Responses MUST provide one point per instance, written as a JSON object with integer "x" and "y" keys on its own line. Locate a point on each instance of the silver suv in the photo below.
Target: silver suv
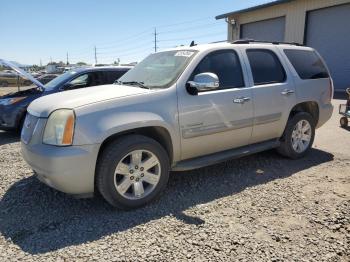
{"x": 179, "y": 109}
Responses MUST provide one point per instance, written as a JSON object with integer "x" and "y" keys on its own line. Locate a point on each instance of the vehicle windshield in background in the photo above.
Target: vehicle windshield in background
{"x": 159, "y": 70}
{"x": 58, "y": 80}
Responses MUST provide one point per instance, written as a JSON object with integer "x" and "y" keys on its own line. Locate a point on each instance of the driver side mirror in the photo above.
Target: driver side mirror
{"x": 203, "y": 82}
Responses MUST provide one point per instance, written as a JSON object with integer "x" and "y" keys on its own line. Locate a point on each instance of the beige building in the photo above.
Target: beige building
{"x": 322, "y": 24}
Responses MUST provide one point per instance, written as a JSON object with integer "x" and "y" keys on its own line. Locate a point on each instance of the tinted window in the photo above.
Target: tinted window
{"x": 226, "y": 65}
{"x": 307, "y": 64}
{"x": 86, "y": 80}
{"x": 266, "y": 67}
{"x": 112, "y": 76}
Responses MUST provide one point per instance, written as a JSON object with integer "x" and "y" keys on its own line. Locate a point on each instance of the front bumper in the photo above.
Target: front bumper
{"x": 67, "y": 169}
{"x": 10, "y": 117}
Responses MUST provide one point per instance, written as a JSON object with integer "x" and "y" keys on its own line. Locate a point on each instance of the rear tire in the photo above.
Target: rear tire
{"x": 132, "y": 171}
{"x": 298, "y": 136}
{"x": 344, "y": 122}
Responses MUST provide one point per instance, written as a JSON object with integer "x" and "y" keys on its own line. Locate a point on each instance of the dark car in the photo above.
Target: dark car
{"x": 44, "y": 79}
{"x": 13, "y": 106}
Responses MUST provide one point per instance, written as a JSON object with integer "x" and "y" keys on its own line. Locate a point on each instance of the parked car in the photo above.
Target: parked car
{"x": 44, "y": 79}
{"x": 10, "y": 79}
{"x": 179, "y": 109}
{"x": 13, "y": 106}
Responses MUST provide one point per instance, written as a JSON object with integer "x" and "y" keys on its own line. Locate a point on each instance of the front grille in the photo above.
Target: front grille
{"x": 28, "y": 128}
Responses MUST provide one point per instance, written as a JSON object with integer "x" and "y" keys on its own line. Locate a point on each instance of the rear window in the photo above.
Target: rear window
{"x": 307, "y": 64}
{"x": 266, "y": 67}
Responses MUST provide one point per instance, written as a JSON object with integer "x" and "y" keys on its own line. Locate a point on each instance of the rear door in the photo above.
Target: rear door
{"x": 273, "y": 91}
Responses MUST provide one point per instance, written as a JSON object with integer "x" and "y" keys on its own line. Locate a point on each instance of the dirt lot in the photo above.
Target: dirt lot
{"x": 11, "y": 89}
{"x": 259, "y": 208}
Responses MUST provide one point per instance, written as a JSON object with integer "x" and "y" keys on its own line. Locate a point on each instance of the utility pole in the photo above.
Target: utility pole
{"x": 50, "y": 59}
{"x": 67, "y": 59}
{"x": 41, "y": 63}
{"x": 95, "y": 55}
{"x": 155, "y": 40}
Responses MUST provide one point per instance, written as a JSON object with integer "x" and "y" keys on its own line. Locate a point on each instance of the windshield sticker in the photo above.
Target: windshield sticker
{"x": 184, "y": 53}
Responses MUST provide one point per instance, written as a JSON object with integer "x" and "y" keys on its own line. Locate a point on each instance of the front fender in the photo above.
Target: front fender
{"x": 95, "y": 130}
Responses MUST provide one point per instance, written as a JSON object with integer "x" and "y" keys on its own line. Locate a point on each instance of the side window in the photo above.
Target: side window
{"x": 226, "y": 65}
{"x": 266, "y": 67}
{"x": 112, "y": 76}
{"x": 307, "y": 64}
{"x": 79, "y": 82}
{"x": 96, "y": 79}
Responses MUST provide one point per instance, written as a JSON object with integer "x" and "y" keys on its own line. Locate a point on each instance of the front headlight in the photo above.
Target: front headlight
{"x": 59, "y": 128}
{"x": 10, "y": 101}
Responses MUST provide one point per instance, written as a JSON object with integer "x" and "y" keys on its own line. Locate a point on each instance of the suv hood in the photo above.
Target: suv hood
{"x": 44, "y": 106}
{"x": 23, "y": 73}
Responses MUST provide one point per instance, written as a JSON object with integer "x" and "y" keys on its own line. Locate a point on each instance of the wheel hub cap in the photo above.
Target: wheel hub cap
{"x": 137, "y": 174}
{"x": 301, "y": 136}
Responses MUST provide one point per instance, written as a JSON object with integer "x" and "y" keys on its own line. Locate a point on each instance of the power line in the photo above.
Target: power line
{"x": 128, "y": 53}
{"x": 191, "y": 37}
{"x": 130, "y": 47}
{"x": 123, "y": 40}
{"x": 191, "y": 28}
{"x": 136, "y": 42}
{"x": 185, "y": 22}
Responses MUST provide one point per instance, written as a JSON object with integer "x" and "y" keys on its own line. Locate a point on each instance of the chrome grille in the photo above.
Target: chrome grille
{"x": 28, "y": 128}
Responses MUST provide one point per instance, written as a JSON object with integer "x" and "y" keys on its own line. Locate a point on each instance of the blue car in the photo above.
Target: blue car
{"x": 13, "y": 106}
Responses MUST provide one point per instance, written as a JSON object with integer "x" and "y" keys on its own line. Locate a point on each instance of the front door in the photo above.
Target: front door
{"x": 217, "y": 120}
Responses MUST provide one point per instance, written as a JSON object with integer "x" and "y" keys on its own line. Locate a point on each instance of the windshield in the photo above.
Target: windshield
{"x": 59, "y": 80}
{"x": 159, "y": 70}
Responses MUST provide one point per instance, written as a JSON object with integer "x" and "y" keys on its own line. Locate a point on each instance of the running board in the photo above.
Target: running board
{"x": 219, "y": 157}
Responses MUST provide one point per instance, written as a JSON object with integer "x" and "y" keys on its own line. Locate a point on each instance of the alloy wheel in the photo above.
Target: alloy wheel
{"x": 137, "y": 174}
{"x": 301, "y": 136}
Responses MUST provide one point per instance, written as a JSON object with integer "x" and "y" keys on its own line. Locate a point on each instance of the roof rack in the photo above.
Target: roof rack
{"x": 249, "y": 41}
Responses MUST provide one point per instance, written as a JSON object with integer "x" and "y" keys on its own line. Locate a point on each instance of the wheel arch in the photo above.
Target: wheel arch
{"x": 310, "y": 107}
{"x": 158, "y": 133}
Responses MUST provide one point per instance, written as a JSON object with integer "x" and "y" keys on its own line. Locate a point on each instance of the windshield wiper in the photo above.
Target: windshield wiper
{"x": 133, "y": 83}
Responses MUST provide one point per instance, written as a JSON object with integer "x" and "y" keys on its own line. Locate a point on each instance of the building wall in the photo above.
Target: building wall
{"x": 294, "y": 11}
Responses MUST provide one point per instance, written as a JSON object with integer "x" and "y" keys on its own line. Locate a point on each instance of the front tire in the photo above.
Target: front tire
{"x": 132, "y": 171}
{"x": 298, "y": 136}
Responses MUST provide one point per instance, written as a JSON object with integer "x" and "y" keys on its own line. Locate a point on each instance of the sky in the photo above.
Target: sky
{"x": 39, "y": 30}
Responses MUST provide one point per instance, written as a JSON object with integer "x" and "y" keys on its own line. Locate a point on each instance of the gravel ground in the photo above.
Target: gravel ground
{"x": 259, "y": 208}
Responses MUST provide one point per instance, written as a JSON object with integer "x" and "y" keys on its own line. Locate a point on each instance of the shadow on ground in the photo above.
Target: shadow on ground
{"x": 39, "y": 219}
{"x": 8, "y": 137}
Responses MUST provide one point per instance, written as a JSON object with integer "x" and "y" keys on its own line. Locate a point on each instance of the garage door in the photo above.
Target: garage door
{"x": 328, "y": 31}
{"x": 267, "y": 30}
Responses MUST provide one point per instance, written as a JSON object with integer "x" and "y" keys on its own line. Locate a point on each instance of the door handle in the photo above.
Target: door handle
{"x": 287, "y": 92}
{"x": 241, "y": 100}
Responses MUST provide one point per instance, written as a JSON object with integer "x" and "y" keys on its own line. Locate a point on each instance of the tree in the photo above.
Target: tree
{"x": 81, "y": 63}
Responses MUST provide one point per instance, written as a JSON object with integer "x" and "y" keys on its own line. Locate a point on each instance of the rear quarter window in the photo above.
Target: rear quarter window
{"x": 307, "y": 64}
